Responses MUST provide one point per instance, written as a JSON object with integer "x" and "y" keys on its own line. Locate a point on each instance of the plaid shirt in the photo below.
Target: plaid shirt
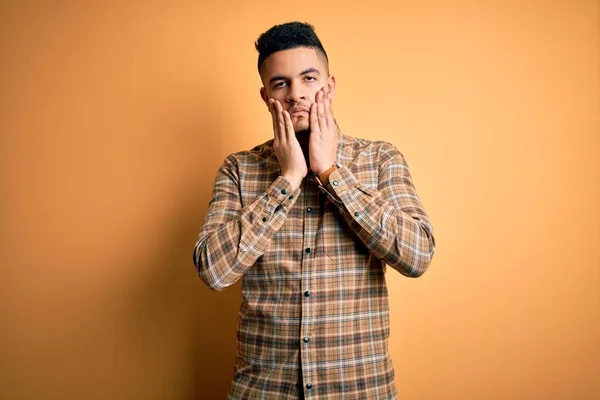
{"x": 314, "y": 318}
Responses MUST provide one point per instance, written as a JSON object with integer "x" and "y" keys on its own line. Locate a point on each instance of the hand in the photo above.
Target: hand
{"x": 323, "y": 133}
{"x": 286, "y": 146}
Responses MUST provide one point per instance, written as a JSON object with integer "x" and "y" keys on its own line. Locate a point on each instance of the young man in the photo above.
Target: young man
{"x": 309, "y": 220}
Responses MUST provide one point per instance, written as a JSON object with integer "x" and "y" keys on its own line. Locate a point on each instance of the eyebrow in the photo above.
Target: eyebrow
{"x": 310, "y": 70}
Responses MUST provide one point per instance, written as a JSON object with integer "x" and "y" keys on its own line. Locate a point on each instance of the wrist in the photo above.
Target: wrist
{"x": 322, "y": 168}
{"x": 294, "y": 180}
{"x": 323, "y": 177}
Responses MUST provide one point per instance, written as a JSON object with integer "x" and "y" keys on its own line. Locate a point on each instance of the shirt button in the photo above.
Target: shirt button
{"x": 307, "y": 250}
{"x": 278, "y": 208}
{"x": 264, "y": 219}
{"x": 283, "y": 191}
{"x": 307, "y": 293}
{"x": 335, "y": 183}
{"x": 291, "y": 196}
{"x": 308, "y": 209}
{"x": 309, "y": 386}
{"x": 356, "y": 213}
{"x": 306, "y": 339}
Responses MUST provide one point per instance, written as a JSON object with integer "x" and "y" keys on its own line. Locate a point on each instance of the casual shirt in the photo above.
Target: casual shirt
{"x": 314, "y": 317}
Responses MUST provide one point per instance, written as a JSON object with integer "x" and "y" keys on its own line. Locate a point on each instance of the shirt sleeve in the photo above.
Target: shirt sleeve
{"x": 233, "y": 237}
{"x": 391, "y": 220}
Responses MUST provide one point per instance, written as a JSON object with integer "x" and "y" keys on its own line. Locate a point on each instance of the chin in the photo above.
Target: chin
{"x": 301, "y": 127}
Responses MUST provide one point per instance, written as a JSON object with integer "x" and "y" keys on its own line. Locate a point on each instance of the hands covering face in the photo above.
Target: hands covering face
{"x": 322, "y": 143}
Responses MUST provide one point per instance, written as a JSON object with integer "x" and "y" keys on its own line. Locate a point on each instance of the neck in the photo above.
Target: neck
{"x": 304, "y": 140}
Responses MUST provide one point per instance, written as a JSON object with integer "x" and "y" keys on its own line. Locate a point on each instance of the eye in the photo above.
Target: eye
{"x": 311, "y": 78}
{"x": 279, "y": 85}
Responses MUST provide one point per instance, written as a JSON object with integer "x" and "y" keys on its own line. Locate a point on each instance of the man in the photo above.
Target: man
{"x": 309, "y": 220}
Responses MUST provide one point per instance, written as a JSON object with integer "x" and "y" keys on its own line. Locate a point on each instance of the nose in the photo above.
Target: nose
{"x": 295, "y": 93}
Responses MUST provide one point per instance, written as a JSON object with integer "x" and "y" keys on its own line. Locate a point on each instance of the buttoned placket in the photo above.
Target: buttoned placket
{"x": 311, "y": 204}
{"x": 311, "y": 213}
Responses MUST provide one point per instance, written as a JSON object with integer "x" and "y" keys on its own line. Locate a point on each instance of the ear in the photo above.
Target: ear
{"x": 331, "y": 85}
{"x": 263, "y": 96}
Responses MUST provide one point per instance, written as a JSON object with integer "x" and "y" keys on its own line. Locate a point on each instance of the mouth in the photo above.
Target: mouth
{"x": 297, "y": 111}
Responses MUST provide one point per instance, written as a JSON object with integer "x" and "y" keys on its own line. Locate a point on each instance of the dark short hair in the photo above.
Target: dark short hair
{"x": 287, "y": 36}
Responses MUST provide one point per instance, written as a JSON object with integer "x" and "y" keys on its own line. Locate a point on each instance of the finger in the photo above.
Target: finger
{"x": 321, "y": 111}
{"x": 273, "y": 111}
{"x": 314, "y": 121}
{"x": 273, "y": 115}
{"x": 289, "y": 126}
{"x": 280, "y": 121}
{"x": 328, "y": 113}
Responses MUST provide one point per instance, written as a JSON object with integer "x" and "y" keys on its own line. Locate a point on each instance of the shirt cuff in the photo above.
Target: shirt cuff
{"x": 345, "y": 190}
{"x": 341, "y": 185}
{"x": 280, "y": 196}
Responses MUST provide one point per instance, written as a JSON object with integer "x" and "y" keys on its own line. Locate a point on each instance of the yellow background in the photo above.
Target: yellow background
{"x": 115, "y": 117}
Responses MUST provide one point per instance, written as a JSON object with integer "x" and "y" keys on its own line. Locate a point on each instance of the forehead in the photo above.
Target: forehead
{"x": 292, "y": 62}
